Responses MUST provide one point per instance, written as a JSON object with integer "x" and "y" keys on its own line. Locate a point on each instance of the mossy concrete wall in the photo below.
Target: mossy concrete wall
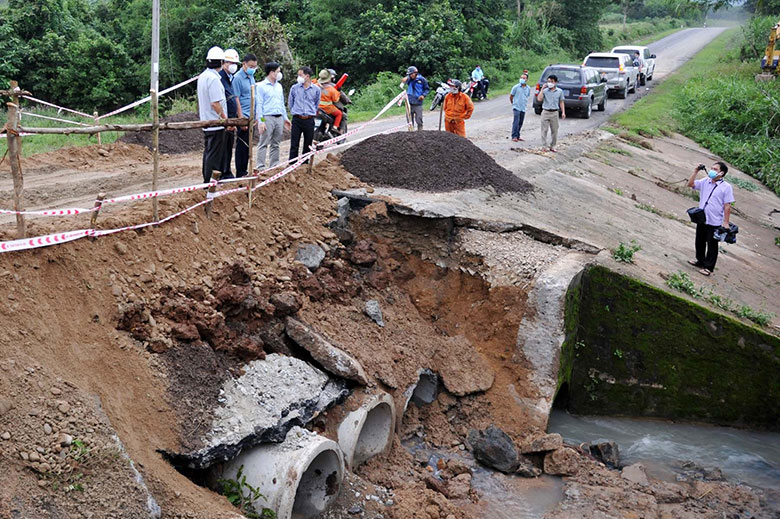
{"x": 634, "y": 350}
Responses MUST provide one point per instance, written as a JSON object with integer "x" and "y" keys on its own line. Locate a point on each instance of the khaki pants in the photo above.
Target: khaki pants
{"x": 550, "y": 121}
{"x": 270, "y": 139}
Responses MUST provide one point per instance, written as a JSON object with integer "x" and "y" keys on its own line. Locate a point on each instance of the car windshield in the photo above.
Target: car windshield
{"x": 598, "y": 62}
{"x": 564, "y": 75}
{"x": 630, "y": 52}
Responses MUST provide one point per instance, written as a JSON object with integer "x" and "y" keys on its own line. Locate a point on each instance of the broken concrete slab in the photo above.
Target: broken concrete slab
{"x": 262, "y": 405}
{"x": 331, "y": 358}
{"x": 544, "y": 443}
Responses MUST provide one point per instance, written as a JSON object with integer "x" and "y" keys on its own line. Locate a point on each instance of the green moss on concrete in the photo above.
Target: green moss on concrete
{"x": 641, "y": 351}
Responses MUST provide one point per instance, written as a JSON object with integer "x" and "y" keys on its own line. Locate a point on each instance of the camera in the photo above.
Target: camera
{"x": 701, "y": 167}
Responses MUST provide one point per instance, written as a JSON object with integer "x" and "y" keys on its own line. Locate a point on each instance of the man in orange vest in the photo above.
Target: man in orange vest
{"x": 329, "y": 97}
{"x": 457, "y": 108}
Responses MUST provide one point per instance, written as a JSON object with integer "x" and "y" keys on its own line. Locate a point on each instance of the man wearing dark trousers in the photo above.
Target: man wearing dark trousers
{"x": 243, "y": 83}
{"x": 715, "y": 198}
{"x": 229, "y": 68}
{"x": 303, "y": 101}
{"x": 212, "y": 106}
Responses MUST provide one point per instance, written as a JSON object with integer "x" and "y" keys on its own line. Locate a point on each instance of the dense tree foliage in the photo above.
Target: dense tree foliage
{"x": 94, "y": 54}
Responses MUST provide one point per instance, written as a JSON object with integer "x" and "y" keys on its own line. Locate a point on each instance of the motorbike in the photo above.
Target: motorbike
{"x": 438, "y": 99}
{"x": 323, "y": 122}
{"x": 473, "y": 90}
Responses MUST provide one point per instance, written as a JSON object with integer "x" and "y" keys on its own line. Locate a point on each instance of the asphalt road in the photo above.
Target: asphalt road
{"x": 491, "y": 123}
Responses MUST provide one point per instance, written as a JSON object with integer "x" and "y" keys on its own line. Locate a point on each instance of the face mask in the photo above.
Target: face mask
{"x": 279, "y": 76}
{"x": 232, "y": 68}
{"x": 522, "y": 81}
{"x": 301, "y": 80}
{"x": 550, "y": 84}
{"x": 712, "y": 173}
{"x": 453, "y": 90}
{"x": 251, "y": 71}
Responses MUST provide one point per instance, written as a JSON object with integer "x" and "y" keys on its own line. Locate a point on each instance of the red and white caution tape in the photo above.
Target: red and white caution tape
{"x": 43, "y": 241}
{"x": 146, "y": 99}
{"x": 67, "y": 211}
{"x": 59, "y": 108}
{"x": 32, "y": 114}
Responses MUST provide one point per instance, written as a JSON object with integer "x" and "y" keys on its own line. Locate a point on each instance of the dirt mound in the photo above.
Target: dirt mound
{"x": 171, "y": 141}
{"x": 428, "y": 161}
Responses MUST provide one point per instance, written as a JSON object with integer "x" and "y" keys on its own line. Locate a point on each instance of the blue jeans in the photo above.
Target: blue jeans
{"x": 517, "y": 123}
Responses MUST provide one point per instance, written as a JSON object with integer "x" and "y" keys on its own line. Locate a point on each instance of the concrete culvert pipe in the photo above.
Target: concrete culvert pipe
{"x": 299, "y": 478}
{"x": 367, "y": 431}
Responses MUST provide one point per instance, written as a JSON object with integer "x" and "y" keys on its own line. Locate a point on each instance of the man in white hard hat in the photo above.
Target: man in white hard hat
{"x": 212, "y": 105}
{"x": 229, "y": 68}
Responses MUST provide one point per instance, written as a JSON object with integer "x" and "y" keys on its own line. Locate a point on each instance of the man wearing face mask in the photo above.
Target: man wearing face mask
{"x": 271, "y": 115}
{"x": 457, "y": 108}
{"x": 715, "y": 198}
{"x": 519, "y": 100}
{"x": 243, "y": 83}
{"x": 551, "y": 98}
{"x": 212, "y": 106}
{"x": 304, "y": 100}
{"x": 229, "y": 68}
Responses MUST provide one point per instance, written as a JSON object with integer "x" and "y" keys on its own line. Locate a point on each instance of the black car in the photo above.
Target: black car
{"x": 582, "y": 88}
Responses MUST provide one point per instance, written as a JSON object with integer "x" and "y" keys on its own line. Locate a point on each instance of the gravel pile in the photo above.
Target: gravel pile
{"x": 428, "y": 161}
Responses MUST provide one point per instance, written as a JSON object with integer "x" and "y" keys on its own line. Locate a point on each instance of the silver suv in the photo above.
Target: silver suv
{"x": 646, "y": 60}
{"x": 622, "y": 76}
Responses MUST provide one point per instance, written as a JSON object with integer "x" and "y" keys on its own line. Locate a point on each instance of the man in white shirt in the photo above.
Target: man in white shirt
{"x": 211, "y": 106}
{"x": 271, "y": 115}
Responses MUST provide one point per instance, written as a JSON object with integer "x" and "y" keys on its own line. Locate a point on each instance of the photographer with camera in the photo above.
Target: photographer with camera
{"x": 712, "y": 215}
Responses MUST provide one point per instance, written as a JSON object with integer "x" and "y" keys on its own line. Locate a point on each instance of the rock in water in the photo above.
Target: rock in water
{"x": 544, "y": 443}
{"x": 374, "y": 311}
{"x": 494, "y": 448}
{"x": 331, "y": 358}
{"x": 605, "y": 451}
{"x": 310, "y": 255}
{"x": 561, "y": 462}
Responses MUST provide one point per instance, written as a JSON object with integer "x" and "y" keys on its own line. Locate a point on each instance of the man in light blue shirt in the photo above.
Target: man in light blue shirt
{"x": 271, "y": 114}
{"x": 243, "y": 83}
{"x": 304, "y": 101}
{"x": 551, "y": 98}
{"x": 519, "y": 99}
{"x": 479, "y": 76}
{"x": 212, "y": 105}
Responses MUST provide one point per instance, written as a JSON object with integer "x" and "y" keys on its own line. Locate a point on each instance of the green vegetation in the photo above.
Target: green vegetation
{"x": 716, "y": 101}
{"x": 657, "y": 354}
{"x": 681, "y": 282}
{"x": 616, "y": 190}
{"x": 743, "y": 184}
{"x": 625, "y": 252}
{"x": 652, "y": 209}
{"x": 242, "y": 495}
{"x": 619, "y": 151}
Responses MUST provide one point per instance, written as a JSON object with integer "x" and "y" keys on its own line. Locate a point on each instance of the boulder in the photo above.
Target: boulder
{"x": 310, "y": 255}
{"x": 544, "y": 443}
{"x": 334, "y": 360}
{"x": 374, "y": 311}
{"x": 606, "y": 452}
{"x": 636, "y": 474}
{"x": 477, "y": 376}
{"x": 285, "y": 303}
{"x": 494, "y": 448}
{"x": 562, "y": 462}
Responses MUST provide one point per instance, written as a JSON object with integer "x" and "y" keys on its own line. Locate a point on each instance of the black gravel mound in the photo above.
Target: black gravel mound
{"x": 171, "y": 141}
{"x": 428, "y": 161}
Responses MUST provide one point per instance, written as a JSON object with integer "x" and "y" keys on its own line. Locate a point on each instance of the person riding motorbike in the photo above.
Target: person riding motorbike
{"x": 328, "y": 98}
{"x": 479, "y": 77}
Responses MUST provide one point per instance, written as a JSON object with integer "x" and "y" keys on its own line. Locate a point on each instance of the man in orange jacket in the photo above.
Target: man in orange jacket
{"x": 457, "y": 108}
{"x": 329, "y": 97}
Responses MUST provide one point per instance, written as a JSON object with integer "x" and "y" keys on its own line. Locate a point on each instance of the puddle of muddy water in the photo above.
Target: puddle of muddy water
{"x": 748, "y": 457}
{"x": 501, "y": 496}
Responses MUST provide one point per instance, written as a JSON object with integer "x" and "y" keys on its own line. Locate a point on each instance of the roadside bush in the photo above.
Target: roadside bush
{"x": 375, "y": 95}
{"x": 755, "y": 34}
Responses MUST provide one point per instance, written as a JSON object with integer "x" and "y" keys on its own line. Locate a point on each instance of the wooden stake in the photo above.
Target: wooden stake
{"x": 155, "y": 150}
{"x": 98, "y": 205}
{"x": 250, "y": 144}
{"x": 441, "y": 110}
{"x": 409, "y": 113}
{"x": 212, "y": 189}
{"x": 311, "y": 164}
{"x": 14, "y": 154}
{"x": 94, "y": 116}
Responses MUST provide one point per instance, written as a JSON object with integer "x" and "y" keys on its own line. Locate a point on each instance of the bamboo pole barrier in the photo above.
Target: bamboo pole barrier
{"x": 155, "y": 151}
{"x": 409, "y": 113}
{"x": 145, "y": 127}
{"x": 95, "y": 119}
{"x": 98, "y": 205}
{"x": 14, "y": 158}
{"x": 251, "y": 144}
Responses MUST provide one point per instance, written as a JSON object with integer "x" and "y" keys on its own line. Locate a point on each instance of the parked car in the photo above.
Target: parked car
{"x": 582, "y": 88}
{"x": 646, "y": 59}
{"x": 622, "y": 76}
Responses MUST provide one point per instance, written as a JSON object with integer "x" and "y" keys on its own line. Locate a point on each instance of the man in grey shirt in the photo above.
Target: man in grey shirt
{"x": 551, "y": 98}
{"x": 211, "y": 106}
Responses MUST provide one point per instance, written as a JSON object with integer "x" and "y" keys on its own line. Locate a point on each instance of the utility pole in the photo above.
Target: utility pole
{"x": 154, "y": 88}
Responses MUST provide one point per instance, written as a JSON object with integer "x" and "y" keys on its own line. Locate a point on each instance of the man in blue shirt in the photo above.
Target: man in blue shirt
{"x": 243, "y": 83}
{"x": 304, "y": 99}
{"x": 229, "y": 68}
{"x": 416, "y": 90}
{"x": 271, "y": 115}
{"x": 519, "y": 99}
{"x": 551, "y": 98}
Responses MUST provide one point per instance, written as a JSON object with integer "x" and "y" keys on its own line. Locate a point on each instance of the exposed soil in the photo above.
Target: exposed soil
{"x": 171, "y": 141}
{"x": 428, "y": 161}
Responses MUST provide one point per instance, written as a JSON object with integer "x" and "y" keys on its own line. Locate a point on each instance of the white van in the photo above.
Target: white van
{"x": 646, "y": 60}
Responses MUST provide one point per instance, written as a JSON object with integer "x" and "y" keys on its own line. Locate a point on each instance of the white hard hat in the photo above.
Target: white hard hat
{"x": 231, "y": 55}
{"x": 215, "y": 53}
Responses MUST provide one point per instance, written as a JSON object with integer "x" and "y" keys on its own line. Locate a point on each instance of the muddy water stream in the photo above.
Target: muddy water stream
{"x": 748, "y": 457}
